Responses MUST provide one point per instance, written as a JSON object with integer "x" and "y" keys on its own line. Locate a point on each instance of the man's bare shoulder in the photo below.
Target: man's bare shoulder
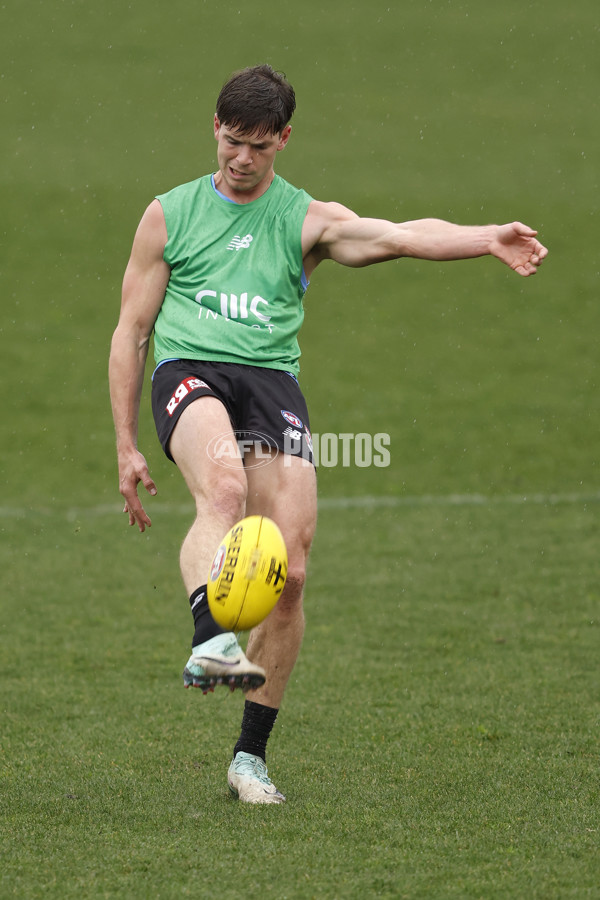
{"x": 154, "y": 217}
{"x": 151, "y": 235}
{"x": 321, "y": 218}
{"x": 327, "y": 211}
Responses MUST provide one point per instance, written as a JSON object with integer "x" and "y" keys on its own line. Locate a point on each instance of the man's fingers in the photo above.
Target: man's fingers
{"x": 132, "y": 472}
{"x": 526, "y": 269}
{"x": 149, "y": 485}
{"x": 138, "y": 514}
{"x": 525, "y": 230}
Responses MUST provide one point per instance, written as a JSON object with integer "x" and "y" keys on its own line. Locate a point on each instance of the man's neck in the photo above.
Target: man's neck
{"x": 242, "y": 196}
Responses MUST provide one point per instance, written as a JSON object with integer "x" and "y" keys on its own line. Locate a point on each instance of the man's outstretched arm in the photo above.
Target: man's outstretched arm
{"x": 334, "y": 232}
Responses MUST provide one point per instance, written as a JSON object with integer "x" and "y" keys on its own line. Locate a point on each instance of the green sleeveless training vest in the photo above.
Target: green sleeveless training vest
{"x": 236, "y": 286}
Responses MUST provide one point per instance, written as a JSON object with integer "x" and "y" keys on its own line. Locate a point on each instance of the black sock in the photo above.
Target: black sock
{"x": 206, "y": 627}
{"x": 257, "y": 723}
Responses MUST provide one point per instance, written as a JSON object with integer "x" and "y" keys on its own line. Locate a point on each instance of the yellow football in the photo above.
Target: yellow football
{"x": 247, "y": 574}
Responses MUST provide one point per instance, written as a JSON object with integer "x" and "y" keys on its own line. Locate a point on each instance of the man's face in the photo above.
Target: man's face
{"x": 246, "y": 161}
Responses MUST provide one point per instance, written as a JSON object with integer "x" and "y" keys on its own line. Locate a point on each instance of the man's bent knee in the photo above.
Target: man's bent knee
{"x": 224, "y": 497}
{"x": 291, "y": 597}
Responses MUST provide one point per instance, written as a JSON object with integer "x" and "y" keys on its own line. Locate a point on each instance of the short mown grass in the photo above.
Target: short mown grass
{"x": 439, "y": 738}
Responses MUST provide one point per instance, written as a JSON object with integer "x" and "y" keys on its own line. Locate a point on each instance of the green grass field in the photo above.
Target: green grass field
{"x": 440, "y": 734}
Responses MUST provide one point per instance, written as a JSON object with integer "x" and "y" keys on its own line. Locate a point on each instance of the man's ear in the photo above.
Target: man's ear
{"x": 284, "y": 137}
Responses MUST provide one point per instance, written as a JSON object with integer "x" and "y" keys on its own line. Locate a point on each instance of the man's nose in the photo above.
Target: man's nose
{"x": 244, "y": 155}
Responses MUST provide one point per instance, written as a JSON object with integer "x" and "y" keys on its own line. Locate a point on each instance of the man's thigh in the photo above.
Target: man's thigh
{"x": 203, "y": 445}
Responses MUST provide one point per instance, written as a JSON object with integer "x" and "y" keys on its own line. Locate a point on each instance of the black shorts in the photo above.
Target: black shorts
{"x": 265, "y": 406}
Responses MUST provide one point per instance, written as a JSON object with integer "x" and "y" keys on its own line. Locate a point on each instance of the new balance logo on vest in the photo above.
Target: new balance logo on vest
{"x": 240, "y": 243}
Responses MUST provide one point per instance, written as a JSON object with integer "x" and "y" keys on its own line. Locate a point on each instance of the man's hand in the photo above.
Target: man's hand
{"x": 132, "y": 470}
{"x": 516, "y": 245}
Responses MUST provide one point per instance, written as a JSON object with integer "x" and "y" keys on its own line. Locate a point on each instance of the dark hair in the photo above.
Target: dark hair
{"x": 256, "y": 99}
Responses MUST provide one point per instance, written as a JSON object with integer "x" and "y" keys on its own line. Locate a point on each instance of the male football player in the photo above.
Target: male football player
{"x": 218, "y": 270}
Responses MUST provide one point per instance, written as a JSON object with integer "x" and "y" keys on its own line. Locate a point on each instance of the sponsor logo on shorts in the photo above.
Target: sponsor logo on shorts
{"x": 292, "y": 433}
{"x": 291, "y": 418}
{"x": 309, "y": 441}
{"x": 186, "y": 387}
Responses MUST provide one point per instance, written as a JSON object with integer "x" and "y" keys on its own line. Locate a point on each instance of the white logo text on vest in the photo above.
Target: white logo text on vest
{"x": 233, "y": 306}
